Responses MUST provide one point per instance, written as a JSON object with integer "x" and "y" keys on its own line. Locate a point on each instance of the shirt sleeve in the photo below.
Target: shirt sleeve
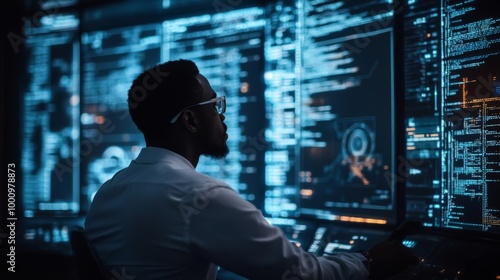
{"x": 232, "y": 233}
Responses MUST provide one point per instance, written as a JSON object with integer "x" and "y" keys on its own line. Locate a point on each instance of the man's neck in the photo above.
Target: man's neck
{"x": 181, "y": 149}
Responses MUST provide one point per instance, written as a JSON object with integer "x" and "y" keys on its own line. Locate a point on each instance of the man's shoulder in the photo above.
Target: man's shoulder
{"x": 207, "y": 184}
{"x": 176, "y": 180}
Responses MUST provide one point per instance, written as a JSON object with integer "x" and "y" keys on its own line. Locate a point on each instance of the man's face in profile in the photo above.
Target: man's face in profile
{"x": 212, "y": 130}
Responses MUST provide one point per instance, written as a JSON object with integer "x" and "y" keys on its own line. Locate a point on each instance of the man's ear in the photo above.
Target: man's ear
{"x": 190, "y": 120}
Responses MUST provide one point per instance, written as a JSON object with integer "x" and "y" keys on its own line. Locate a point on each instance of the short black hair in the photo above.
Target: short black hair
{"x": 160, "y": 92}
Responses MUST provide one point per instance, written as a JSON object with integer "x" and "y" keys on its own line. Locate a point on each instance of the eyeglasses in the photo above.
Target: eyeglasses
{"x": 220, "y": 106}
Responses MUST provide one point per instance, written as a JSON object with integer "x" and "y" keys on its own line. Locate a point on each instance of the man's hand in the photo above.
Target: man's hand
{"x": 390, "y": 258}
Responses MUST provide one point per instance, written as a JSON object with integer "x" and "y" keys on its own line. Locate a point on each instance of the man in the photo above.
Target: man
{"x": 161, "y": 219}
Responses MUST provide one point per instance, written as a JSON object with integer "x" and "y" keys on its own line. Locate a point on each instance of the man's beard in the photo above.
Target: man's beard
{"x": 218, "y": 153}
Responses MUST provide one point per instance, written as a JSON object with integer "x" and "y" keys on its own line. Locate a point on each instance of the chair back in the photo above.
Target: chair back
{"x": 87, "y": 260}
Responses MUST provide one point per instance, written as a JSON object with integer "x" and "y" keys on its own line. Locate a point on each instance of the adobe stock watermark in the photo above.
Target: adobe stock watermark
{"x": 150, "y": 81}
{"x": 85, "y": 149}
{"x": 200, "y": 201}
{"x": 121, "y": 276}
{"x": 295, "y": 273}
{"x": 202, "y": 196}
{"x": 16, "y": 40}
{"x": 405, "y": 165}
{"x": 403, "y": 170}
{"x": 361, "y": 42}
{"x": 254, "y": 144}
{"x": 226, "y": 5}
{"x": 485, "y": 89}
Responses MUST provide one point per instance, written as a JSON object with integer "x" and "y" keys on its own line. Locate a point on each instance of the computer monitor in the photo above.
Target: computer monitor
{"x": 452, "y": 97}
{"x": 111, "y": 60}
{"x": 312, "y": 91}
{"x": 330, "y": 101}
{"x": 77, "y": 132}
{"x": 228, "y": 48}
{"x": 50, "y": 132}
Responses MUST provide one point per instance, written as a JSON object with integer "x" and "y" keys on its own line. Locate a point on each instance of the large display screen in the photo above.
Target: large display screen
{"x": 452, "y": 113}
{"x": 50, "y": 133}
{"x": 311, "y": 106}
{"x": 110, "y": 140}
{"x": 51, "y": 129}
{"x": 330, "y": 105}
{"x": 228, "y": 49}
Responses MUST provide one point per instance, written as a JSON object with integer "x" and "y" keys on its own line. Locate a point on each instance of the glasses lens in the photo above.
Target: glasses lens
{"x": 221, "y": 106}
{"x": 217, "y": 106}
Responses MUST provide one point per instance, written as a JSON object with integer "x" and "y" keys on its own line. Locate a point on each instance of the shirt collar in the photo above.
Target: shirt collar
{"x": 150, "y": 155}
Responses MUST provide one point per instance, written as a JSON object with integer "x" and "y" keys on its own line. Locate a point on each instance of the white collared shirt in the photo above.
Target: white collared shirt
{"x": 161, "y": 219}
